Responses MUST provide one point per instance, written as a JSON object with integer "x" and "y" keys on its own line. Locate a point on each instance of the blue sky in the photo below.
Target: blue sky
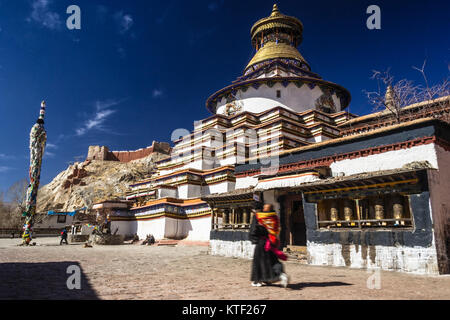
{"x": 137, "y": 70}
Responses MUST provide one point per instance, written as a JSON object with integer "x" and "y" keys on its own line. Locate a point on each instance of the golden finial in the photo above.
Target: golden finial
{"x": 43, "y": 103}
{"x": 275, "y": 10}
{"x": 389, "y": 97}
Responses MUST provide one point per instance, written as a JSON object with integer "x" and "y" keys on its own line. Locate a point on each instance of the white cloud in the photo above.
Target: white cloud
{"x": 124, "y": 21}
{"x": 51, "y": 146}
{"x": 6, "y": 156}
{"x": 42, "y": 14}
{"x": 48, "y": 154}
{"x": 157, "y": 93}
{"x": 100, "y": 105}
{"x": 5, "y": 169}
{"x": 103, "y": 111}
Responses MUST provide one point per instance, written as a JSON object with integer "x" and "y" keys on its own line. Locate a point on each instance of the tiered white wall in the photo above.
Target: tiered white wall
{"x": 199, "y": 229}
{"x": 186, "y": 191}
{"x": 156, "y": 227}
{"x": 387, "y": 160}
{"x": 265, "y": 98}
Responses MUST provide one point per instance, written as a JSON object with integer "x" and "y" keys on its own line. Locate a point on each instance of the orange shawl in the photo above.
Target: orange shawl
{"x": 271, "y": 222}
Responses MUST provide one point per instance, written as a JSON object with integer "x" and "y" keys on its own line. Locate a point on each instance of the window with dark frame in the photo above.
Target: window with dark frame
{"x": 278, "y": 93}
{"x": 61, "y": 218}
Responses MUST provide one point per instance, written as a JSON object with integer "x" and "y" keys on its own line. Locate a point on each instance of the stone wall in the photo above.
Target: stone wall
{"x": 102, "y": 152}
{"x": 401, "y": 250}
{"x": 418, "y": 260}
{"x": 231, "y": 244}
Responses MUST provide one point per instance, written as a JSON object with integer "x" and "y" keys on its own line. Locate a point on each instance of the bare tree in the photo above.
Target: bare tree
{"x": 11, "y": 211}
{"x": 431, "y": 93}
{"x": 17, "y": 194}
{"x": 392, "y": 97}
{"x": 4, "y": 211}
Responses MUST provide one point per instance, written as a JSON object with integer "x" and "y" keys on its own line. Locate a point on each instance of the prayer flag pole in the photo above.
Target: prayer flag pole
{"x": 38, "y": 139}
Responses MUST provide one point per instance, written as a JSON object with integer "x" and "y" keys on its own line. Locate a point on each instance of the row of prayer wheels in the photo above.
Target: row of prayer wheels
{"x": 379, "y": 208}
{"x": 234, "y": 216}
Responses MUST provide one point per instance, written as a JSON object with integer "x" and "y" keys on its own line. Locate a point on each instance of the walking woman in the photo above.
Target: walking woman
{"x": 264, "y": 233}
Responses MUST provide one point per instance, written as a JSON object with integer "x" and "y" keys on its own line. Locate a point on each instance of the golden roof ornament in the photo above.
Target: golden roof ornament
{"x": 389, "y": 98}
{"x": 276, "y": 36}
{"x": 275, "y": 11}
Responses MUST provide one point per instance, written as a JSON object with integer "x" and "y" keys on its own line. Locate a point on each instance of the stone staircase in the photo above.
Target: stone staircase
{"x": 296, "y": 253}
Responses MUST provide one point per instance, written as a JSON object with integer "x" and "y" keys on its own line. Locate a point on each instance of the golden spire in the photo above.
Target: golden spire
{"x": 275, "y": 11}
{"x": 276, "y": 36}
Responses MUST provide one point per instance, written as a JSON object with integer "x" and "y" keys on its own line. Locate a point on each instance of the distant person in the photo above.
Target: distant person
{"x": 63, "y": 237}
{"x": 264, "y": 233}
{"x": 151, "y": 240}
{"x": 135, "y": 238}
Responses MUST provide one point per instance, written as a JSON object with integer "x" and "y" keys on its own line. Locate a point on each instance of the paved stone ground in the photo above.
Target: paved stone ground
{"x": 184, "y": 272}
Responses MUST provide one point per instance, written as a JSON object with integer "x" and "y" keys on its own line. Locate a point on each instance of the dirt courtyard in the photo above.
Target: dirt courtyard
{"x": 185, "y": 272}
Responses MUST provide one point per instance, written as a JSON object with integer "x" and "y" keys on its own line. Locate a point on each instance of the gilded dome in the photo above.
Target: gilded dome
{"x": 273, "y": 50}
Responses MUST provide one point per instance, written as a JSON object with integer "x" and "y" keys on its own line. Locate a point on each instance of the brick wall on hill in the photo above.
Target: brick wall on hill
{"x": 102, "y": 152}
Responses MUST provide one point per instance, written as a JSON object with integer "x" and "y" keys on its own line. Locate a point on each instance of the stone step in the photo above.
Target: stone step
{"x": 193, "y": 243}
{"x": 296, "y": 249}
{"x": 299, "y": 258}
{"x": 166, "y": 242}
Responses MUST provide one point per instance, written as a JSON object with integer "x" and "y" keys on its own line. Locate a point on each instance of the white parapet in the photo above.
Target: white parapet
{"x": 418, "y": 260}
{"x": 236, "y": 249}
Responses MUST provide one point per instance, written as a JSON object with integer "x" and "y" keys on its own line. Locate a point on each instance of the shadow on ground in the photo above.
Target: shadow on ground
{"x": 37, "y": 281}
{"x": 301, "y": 285}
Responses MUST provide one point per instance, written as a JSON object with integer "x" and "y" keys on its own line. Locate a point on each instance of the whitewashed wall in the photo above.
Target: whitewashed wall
{"x": 265, "y": 98}
{"x": 387, "y": 160}
{"x": 414, "y": 260}
{"x": 156, "y": 227}
{"x": 51, "y": 222}
{"x": 246, "y": 182}
{"x": 186, "y": 191}
{"x": 166, "y": 192}
{"x": 124, "y": 227}
{"x": 221, "y": 187}
{"x": 270, "y": 197}
{"x": 198, "y": 229}
{"x": 236, "y": 249}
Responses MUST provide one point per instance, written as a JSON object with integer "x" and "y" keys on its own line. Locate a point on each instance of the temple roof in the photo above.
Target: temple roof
{"x": 274, "y": 48}
{"x": 277, "y": 20}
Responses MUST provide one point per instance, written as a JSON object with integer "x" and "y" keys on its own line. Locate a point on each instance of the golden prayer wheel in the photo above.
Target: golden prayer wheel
{"x": 348, "y": 210}
{"x": 245, "y": 216}
{"x": 398, "y": 207}
{"x": 334, "y": 213}
{"x": 225, "y": 217}
{"x": 379, "y": 209}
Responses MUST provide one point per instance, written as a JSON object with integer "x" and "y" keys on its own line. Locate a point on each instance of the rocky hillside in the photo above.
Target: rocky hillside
{"x": 82, "y": 184}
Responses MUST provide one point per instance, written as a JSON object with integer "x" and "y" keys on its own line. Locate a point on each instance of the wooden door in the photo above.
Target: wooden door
{"x": 295, "y": 228}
